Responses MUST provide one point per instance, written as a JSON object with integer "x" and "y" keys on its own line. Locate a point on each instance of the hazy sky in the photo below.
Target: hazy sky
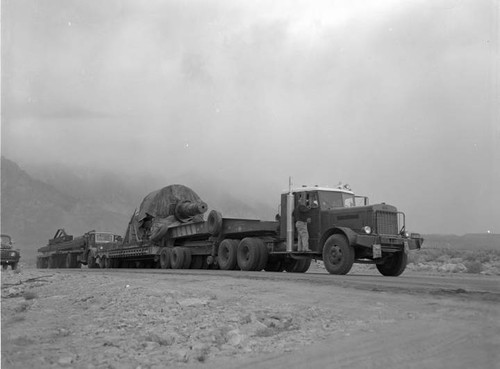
{"x": 400, "y": 99}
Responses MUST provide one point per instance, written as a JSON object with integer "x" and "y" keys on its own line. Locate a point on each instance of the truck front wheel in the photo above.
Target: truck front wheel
{"x": 394, "y": 265}
{"x": 338, "y": 255}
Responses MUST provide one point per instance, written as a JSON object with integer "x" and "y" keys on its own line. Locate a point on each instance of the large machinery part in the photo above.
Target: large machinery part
{"x": 162, "y": 209}
{"x": 177, "y": 200}
{"x": 63, "y": 242}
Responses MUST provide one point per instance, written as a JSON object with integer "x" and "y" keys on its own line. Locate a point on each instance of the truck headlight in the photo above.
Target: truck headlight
{"x": 367, "y": 229}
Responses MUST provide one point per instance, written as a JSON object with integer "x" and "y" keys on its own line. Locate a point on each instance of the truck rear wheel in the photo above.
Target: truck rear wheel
{"x": 165, "y": 257}
{"x": 264, "y": 254}
{"x": 394, "y": 265}
{"x": 248, "y": 254}
{"x": 227, "y": 254}
{"x": 338, "y": 255}
{"x": 275, "y": 265}
{"x": 177, "y": 258}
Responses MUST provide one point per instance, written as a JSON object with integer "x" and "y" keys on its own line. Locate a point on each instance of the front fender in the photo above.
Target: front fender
{"x": 348, "y": 233}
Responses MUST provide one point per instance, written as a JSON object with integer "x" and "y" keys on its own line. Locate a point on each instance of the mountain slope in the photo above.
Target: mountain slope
{"x": 32, "y": 210}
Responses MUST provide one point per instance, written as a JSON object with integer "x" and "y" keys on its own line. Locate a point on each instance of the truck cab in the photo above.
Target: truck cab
{"x": 9, "y": 256}
{"x": 343, "y": 228}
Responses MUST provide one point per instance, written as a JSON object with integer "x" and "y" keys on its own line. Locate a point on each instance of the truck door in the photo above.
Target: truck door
{"x": 310, "y": 199}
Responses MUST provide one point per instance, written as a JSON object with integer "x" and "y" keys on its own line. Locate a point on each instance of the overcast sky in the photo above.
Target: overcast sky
{"x": 400, "y": 99}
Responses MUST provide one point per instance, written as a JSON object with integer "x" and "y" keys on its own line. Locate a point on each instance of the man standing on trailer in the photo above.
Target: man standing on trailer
{"x": 301, "y": 213}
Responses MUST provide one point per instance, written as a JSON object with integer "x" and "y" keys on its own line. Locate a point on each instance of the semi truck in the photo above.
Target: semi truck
{"x": 169, "y": 231}
{"x": 66, "y": 251}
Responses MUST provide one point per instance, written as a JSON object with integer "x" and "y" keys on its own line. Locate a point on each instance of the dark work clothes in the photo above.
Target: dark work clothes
{"x": 300, "y": 213}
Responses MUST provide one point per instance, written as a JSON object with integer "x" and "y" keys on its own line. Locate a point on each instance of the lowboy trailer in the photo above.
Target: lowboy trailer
{"x": 169, "y": 231}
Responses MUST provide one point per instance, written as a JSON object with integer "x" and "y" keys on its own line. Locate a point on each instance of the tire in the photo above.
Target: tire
{"x": 39, "y": 263}
{"x": 177, "y": 258}
{"x": 165, "y": 256}
{"x": 275, "y": 265}
{"x": 290, "y": 265}
{"x": 214, "y": 223}
{"x": 264, "y": 254}
{"x": 248, "y": 254}
{"x": 13, "y": 266}
{"x": 187, "y": 258}
{"x": 394, "y": 265}
{"x": 4, "y": 266}
{"x": 227, "y": 254}
{"x": 302, "y": 265}
{"x": 338, "y": 255}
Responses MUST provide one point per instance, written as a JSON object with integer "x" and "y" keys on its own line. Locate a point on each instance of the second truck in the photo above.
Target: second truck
{"x": 169, "y": 231}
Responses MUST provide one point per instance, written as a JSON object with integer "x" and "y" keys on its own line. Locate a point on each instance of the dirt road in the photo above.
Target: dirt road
{"x": 124, "y": 319}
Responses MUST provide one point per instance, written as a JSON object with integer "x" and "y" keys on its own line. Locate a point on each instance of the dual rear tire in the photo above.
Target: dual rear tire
{"x": 252, "y": 254}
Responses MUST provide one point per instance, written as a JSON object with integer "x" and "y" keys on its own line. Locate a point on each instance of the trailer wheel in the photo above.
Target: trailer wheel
{"x": 248, "y": 254}
{"x": 177, "y": 258}
{"x": 338, "y": 255}
{"x": 227, "y": 254}
{"x": 394, "y": 265}
{"x": 165, "y": 258}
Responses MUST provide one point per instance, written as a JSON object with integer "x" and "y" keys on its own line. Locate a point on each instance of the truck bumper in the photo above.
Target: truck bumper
{"x": 9, "y": 261}
{"x": 389, "y": 243}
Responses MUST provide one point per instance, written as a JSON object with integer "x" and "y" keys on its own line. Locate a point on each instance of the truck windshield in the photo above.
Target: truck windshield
{"x": 103, "y": 237}
{"x": 329, "y": 200}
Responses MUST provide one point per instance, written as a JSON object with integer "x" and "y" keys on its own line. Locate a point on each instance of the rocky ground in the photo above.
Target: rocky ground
{"x": 98, "y": 319}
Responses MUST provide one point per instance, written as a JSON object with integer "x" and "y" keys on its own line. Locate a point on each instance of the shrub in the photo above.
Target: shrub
{"x": 473, "y": 267}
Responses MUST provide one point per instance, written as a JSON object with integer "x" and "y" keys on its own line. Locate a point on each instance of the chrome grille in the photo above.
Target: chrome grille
{"x": 386, "y": 222}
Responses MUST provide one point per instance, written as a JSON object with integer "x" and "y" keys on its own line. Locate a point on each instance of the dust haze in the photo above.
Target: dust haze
{"x": 398, "y": 99}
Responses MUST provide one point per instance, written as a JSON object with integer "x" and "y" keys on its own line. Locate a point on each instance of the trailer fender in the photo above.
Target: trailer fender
{"x": 348, "y": 233}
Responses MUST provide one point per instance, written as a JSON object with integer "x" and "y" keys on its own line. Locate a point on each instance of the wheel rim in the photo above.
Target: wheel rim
{"x": 246, "y": 253}
{"x": 335, "y": 255}
{"x": 224, "y": 253}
